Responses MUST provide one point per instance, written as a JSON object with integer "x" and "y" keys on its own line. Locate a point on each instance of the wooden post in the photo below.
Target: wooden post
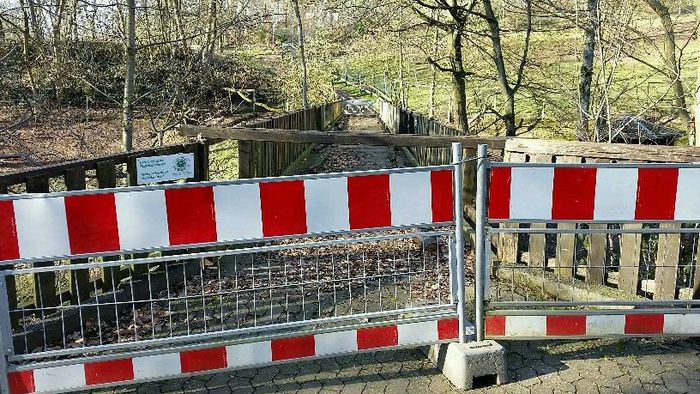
{"x": 667, "y": 263}
{"x": 597, "y": 250}
{"x": 244, "y": 151}
{"x": 107, "y": 178}
{"x": 79, "y": 279}
{"x": 630, "y": 252}
{"x": 201, "y": 165}
{"x": 537, "y": 248}
{"x": 44, "y": 283}
{"x": 508, "y": 243}
{"x": 566, "y": 243}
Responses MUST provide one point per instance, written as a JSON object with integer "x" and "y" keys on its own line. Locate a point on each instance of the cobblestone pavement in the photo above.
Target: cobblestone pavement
{"x": 594, "y": 366}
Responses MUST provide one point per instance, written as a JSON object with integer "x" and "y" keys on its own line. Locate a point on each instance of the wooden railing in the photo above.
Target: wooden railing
{"x": 268, "y": 158}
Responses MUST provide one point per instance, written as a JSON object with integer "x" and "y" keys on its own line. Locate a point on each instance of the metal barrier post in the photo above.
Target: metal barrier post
{"x": 6, "y": 346}
{"x": 480, "y": 241}
{"x": 459, "y": 237}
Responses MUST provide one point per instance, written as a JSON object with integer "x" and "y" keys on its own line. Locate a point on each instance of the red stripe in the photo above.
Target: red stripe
{"x": 191, "y": 217}
{"x": 203, "y": 360}
{"x": 92, "y": 223}
{"x": 9, "y": 247}
{"x": 495, "y": 325}
{"x": 374, "y": 337}
{"x": 442, "y": 196}
{"x": 566, "y": 325}
{"x": 448, "y": 329}
{"x": 109, "y": 371}
{"x": 574, "y": 193}
{"x": 297, "y": 347}
{"x": 644, "y": 324}
{"x": 499, "y": 193}
{"x": 283, "y": 208}
{"x": 369, "y": 202}
{"x": 656, "y": 193}
{"x": 21, "y": 382}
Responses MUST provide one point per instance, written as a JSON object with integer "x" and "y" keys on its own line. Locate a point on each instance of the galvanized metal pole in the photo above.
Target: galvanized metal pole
{"x": 6, "y": 346}
{"x": 459, "y": 237}
{"x": 480, "y": 241}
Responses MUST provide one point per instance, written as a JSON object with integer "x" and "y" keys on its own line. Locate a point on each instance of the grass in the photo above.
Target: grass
{"x": 550, "y": 85}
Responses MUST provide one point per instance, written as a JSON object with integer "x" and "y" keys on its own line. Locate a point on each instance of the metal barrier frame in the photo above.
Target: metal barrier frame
{"x": 484, "y": 232}
{"x": 117, "y": 351}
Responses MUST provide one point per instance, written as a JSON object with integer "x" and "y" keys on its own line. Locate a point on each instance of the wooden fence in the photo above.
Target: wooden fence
{"x": 267, "y": 158}
{"x": 661, "y": 266}
{"x": 119, "y": 170}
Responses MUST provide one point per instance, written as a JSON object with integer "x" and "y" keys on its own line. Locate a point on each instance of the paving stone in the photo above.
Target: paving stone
{"x": 675, "y": 382}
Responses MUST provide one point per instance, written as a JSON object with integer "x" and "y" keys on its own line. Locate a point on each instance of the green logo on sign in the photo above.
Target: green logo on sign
{"x": 181, "y": 164}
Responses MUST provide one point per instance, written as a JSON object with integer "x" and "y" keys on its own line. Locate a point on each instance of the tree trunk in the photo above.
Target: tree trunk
{"x": 696, "y": 140}
{"x": 672, "y": 67}
{"x": 433, "y": 77}
{"x": 402, "y": 90}
{"x": 25, "y": 47}
{"x": 459, "y": 88}
{"x": 57, "y": 46}
{"x": 586, "y": 74}
{"x": 128, "y": 103}
{"x": 211, "y": 30}
{"x": 305, "y": 81}
{"x": 508, "y": 115}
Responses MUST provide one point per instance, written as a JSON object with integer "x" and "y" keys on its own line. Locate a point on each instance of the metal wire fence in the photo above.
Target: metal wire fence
{"x": 175, "y": 298}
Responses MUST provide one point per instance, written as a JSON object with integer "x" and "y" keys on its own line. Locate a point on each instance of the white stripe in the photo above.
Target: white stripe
{"x": 238, "y": 212}
{"x": 598, "y": 325}
{"x": 160, "y": 365}
{"x": 42, "y": 230}
{"x": 526, "y": 326}
{"x": 688, "y": 194}
{"x": 142, "y": 218}
{"x": 248, "y": 354}
{"x": 423, "y": 332}
{"x": 336, "y": 342}
{"x": 682, "y": 324}
{"x": 411, "y": 198}
{"x": 531, "y": 193}
{"x": 615, "y": 194}
{"x": 67, "y": 377}
{"x": 327, "y": 205}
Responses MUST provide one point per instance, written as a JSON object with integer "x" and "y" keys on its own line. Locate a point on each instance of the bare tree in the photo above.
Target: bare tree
{"x": 586, "y": 74}
{"x": 129, "y": 77}
{"x": 673, "y": 70}
{"x": 507, "y": 89}
{"x": 305, "y": 81}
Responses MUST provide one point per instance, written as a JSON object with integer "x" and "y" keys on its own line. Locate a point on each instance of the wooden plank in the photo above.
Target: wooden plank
{"x": 107, "y": 178}
{"x": 244, "y": 152}
{"x": 566, "y": 243}
{"x": 630, "y": 253}
{"x": 44, "y": 283}
{"x": 643, "y": 153}
{"x": 537, "y": 247}
{"x": 508, "y": 243}
{"x": 79, "y": 279}
{"x": 597, "y": 249}
{"x": 337, "y": 137}
{"x": 667, "y": 264}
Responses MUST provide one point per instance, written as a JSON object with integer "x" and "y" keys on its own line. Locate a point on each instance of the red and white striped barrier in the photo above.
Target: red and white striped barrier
{"x": 594, "y": 193}
{"x": 169, "y": 365}
{"x": 85, "y": 223}
{"x": 555, "y": 326}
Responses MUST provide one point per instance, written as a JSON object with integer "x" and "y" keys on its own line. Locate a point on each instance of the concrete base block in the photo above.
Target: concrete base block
{"x": 461, "y": 363}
